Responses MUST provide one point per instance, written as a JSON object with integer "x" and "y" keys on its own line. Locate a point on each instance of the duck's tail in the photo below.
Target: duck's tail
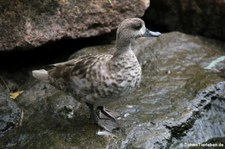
{"x": 41, "y": 74}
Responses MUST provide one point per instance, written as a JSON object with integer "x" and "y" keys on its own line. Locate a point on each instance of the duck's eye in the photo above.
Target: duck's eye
{"x": 137, "y": 26}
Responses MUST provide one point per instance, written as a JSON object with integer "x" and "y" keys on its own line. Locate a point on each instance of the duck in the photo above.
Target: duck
{"x": 96, "y": 80}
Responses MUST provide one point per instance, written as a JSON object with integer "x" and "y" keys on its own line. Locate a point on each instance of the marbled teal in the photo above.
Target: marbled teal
{"x": 98, "y": 79}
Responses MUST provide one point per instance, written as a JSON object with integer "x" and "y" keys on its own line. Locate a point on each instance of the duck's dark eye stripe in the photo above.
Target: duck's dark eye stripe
{"x": 137, "y": 26}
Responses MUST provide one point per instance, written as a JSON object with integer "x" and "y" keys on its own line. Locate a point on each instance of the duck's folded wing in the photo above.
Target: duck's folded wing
{"x": 64, "y": 70}
{"x": 58, "y": 68}
{"x": 75, "y": 67}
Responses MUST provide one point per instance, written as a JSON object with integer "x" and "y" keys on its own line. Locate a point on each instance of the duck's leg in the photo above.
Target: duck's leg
{"x": 93, "y": 115}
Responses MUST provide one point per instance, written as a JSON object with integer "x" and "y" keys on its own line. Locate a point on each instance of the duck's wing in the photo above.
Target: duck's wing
{"x": 43, "y": 74}
{"x": 78, "y": 68}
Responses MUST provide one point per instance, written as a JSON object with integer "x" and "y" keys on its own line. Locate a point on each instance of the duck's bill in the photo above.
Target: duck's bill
{"x": 149, "y": 33}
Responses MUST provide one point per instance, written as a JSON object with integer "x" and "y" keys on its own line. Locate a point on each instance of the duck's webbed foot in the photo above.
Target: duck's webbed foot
{"x": 104, "y": 118}
{"x": 107, "y": 119}
{"x": 104, "y": 113}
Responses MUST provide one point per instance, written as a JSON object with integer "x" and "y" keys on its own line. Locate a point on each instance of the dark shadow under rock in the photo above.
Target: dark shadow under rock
{"x": 202, "y": 17}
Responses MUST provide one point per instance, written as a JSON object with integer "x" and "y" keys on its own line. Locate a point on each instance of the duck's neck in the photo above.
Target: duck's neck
{"x": 123, "y": 57}
{"x": 122, "y": 47}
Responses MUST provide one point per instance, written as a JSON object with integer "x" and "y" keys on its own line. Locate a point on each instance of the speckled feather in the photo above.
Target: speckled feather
{"x": 90, "y": 78}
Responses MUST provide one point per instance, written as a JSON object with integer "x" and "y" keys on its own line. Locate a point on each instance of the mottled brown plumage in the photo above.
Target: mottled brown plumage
{"x": 97, "y": 79}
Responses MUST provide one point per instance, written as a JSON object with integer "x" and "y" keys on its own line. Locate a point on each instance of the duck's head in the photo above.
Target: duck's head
{"x": 131, "y": 29}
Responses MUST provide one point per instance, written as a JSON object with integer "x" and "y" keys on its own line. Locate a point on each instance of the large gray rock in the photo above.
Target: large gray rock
{"x": 204, "y": 17}
{"x": 25, "y": 24}
{"x": 182, "y": 88}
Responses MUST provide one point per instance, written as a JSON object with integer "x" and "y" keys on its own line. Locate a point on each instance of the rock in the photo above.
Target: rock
{"x": 147, "y": 136}
{"x": 30, "y": 24}
{"x": 10, "y": 114}
{"x": 205, "y": 17}
{"x": 176, "y": 98}
{"x": 209, "y": 125}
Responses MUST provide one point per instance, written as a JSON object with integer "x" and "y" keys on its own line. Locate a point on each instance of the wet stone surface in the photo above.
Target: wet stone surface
{"x": 206, "y": 126}
{"x": 179, "y": 102}
{"x": 10, "y": 114}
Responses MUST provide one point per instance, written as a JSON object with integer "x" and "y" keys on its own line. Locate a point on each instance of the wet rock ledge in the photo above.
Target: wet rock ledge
{"x": 180, "y": 102}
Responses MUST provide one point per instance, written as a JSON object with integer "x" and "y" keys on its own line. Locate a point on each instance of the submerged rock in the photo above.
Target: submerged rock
{"x": 178, "y": 97}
